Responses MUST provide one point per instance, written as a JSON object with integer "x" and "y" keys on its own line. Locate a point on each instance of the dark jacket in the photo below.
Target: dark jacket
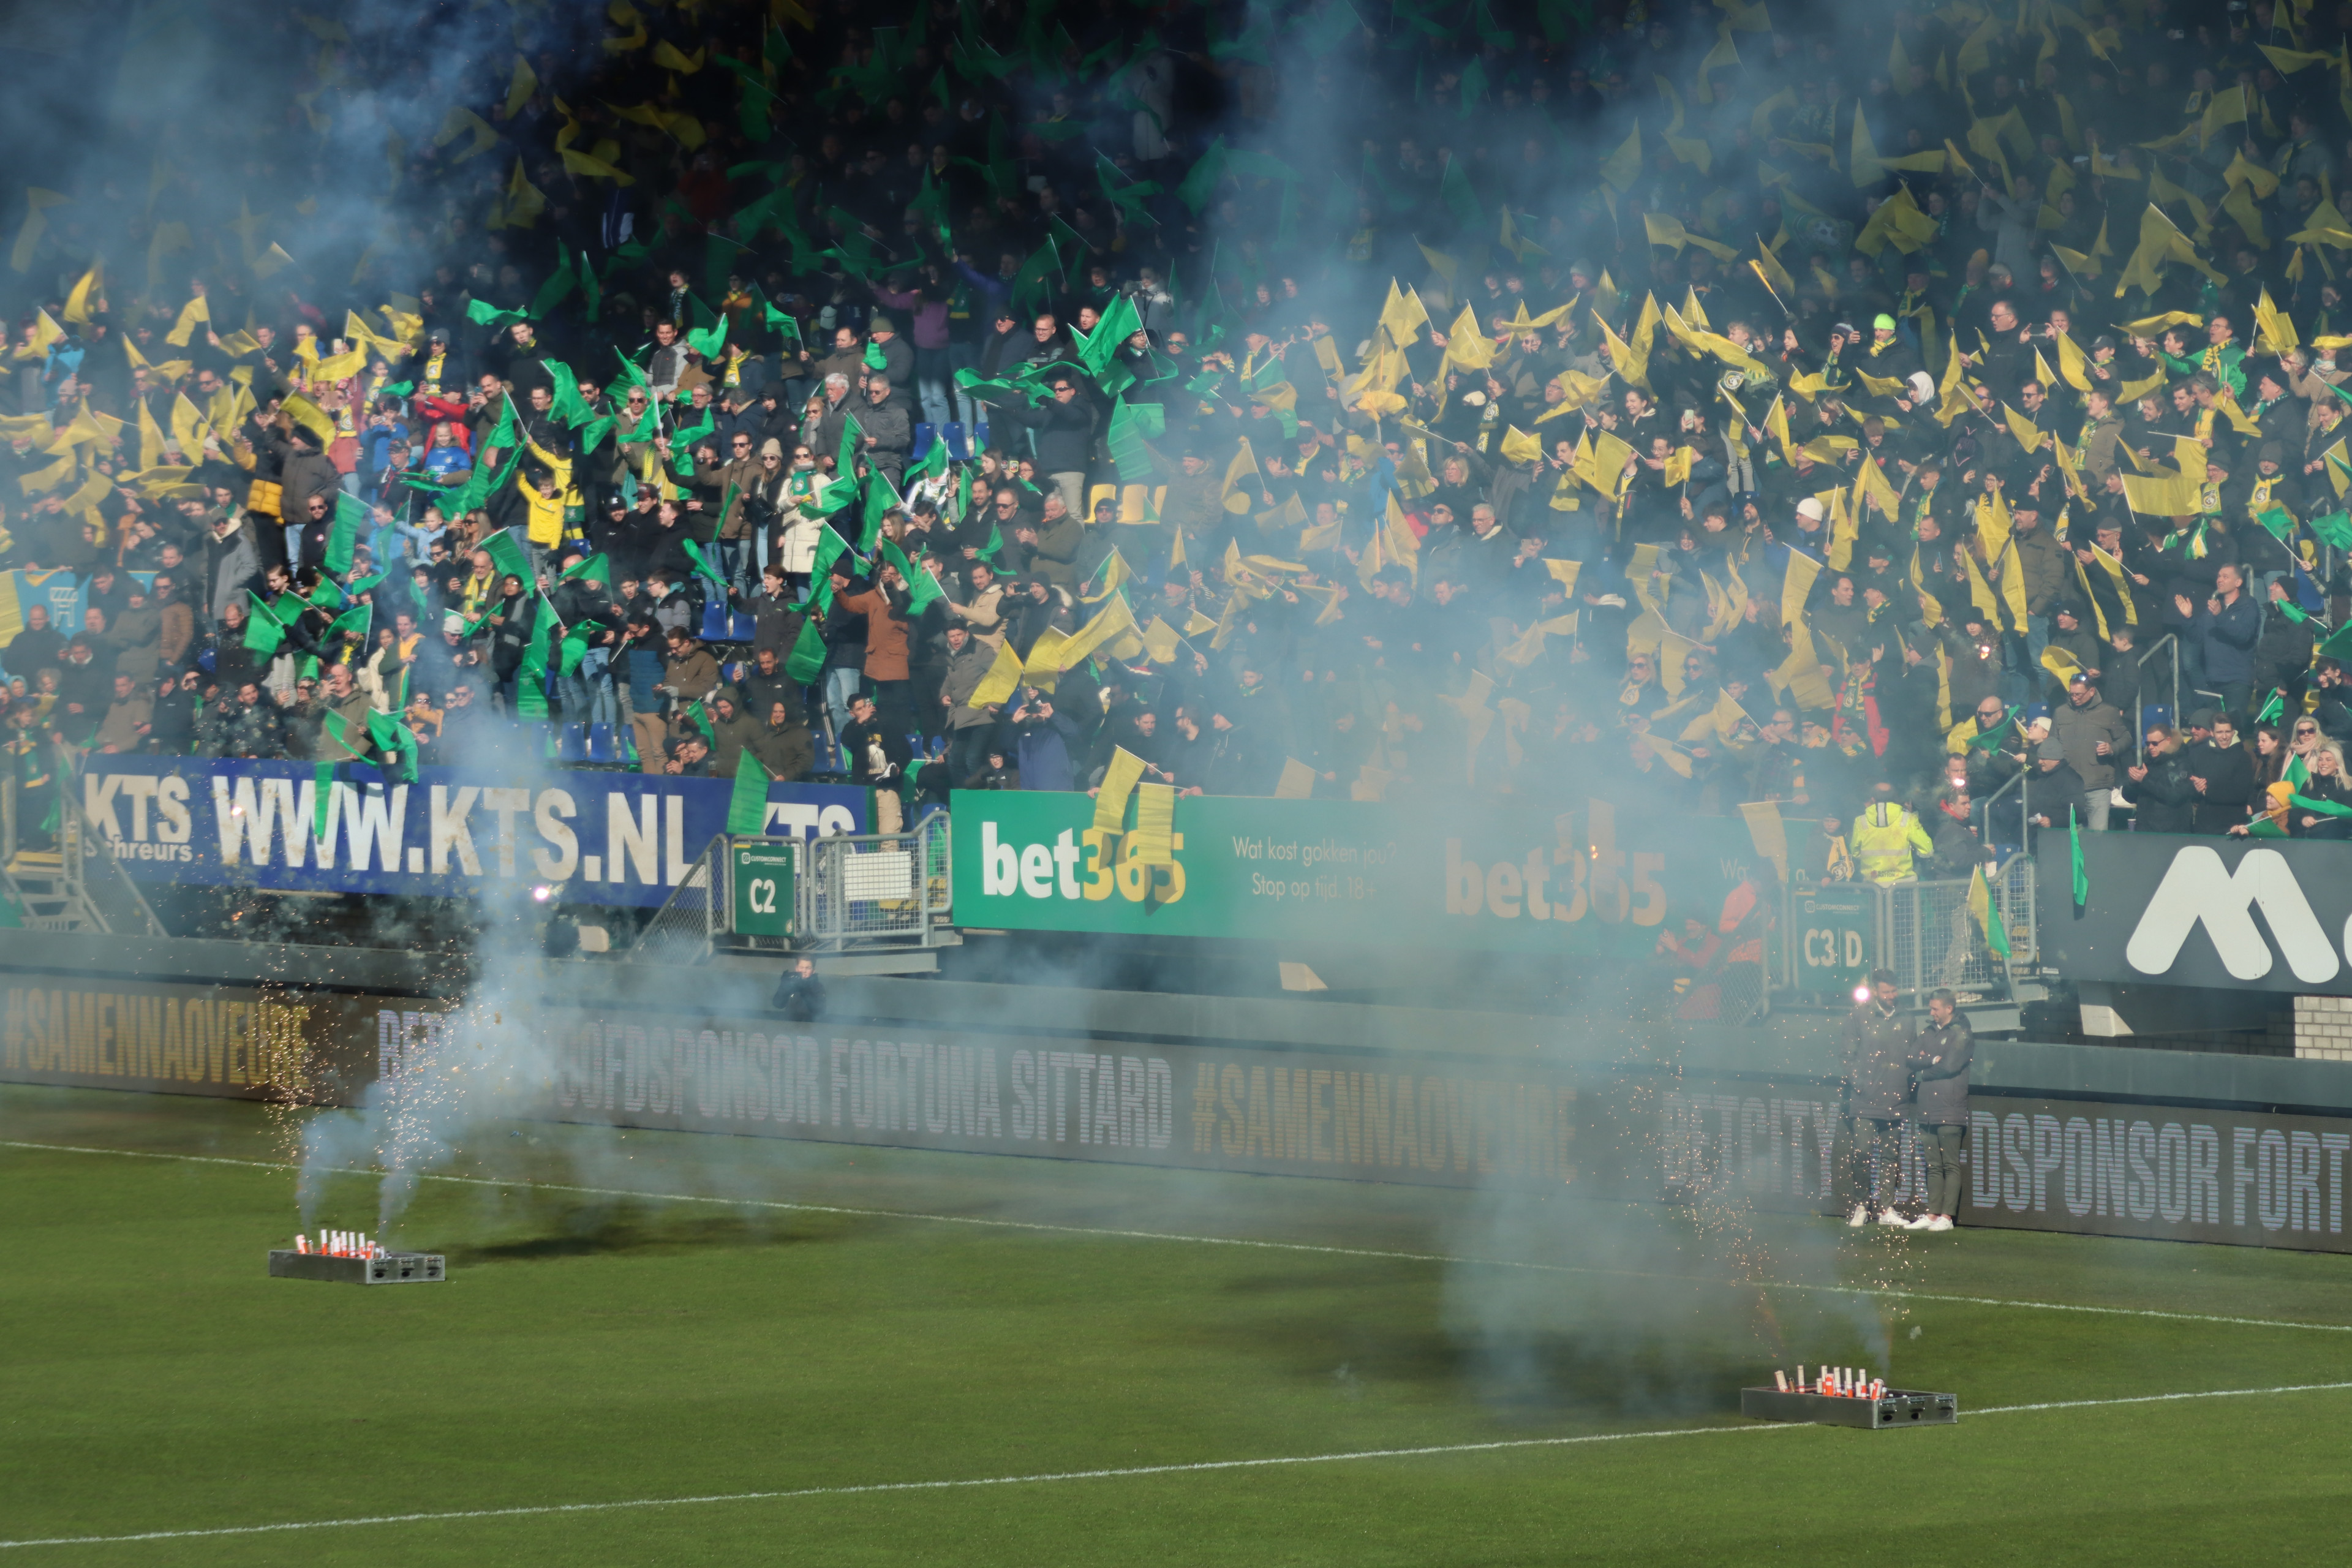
{"x": 1943, "y": 1083}
{"x": 1877, "y": 1070}
{"x": 1065, "y": 435}
{"x": 2229, "y": 776}
{"x": 2164, "y": 799}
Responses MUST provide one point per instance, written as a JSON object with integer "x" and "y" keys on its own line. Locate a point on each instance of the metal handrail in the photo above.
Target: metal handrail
{"x": 2139, "y": 699}
{"x": 2014, "y": 882}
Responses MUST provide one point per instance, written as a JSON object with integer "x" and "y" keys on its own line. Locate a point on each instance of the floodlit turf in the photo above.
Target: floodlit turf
{"x": 593, "y": 1349}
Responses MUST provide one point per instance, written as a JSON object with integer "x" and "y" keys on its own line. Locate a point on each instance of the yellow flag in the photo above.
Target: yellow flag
{"x": 1465, "y": 348}
{"x": 1622, "y": 168}
{"x": 669, "y": 59}
{"x": 195, "y": 312}
{"x": 1666, "y": 230}
{"x": 309, "y": 415}
{"x": 1002, "y": 679}
{"x": 2165, "y": 495}
{"x": 518, "y": 90}
{"x": 1043, "y": 666}
{"x": 1112, "y": 619}
{"x": 1518, "y": 447}
{"x": 1120, "y": 779}
{"x": 2273, "y": 333}
{"x": 1233, "y": 497}
{"x": 2028, "y": 436}
{"x": 37, "y": 202}
{"x": 77, "y": 301}
{"x": 1797, "y": 586}
{"x": 458, "y": 123}
{"x": 338, "y": 367}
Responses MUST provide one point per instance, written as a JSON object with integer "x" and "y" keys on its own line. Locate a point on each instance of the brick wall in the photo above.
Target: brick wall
{"x": 2322, "y": 1028}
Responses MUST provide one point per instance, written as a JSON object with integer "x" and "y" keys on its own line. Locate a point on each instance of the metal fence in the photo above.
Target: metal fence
{"x": 850, "y": 893}
{"x": 68, "y": 879}
{"x": 1832, "y": 937}
{"x": 874, "y": 888}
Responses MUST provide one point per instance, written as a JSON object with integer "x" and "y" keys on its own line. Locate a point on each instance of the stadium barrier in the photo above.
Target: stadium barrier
{"x": 2092, "y": 1140}
{"x": 1830, "y": 936}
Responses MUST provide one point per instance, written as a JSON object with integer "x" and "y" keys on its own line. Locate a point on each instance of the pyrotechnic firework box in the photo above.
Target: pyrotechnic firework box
{"x": 1896, "y": 1407}
{"x": 391, "y": 1268}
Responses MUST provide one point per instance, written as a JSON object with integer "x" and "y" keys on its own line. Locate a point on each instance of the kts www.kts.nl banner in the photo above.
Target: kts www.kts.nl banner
{"x": 598, "y": 838}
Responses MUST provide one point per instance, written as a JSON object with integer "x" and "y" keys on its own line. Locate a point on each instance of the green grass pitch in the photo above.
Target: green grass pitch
{"x": 593, "y": 1349}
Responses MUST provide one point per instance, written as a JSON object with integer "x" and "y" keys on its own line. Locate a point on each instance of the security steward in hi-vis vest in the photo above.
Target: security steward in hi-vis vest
{"x": 1886, "y": 836}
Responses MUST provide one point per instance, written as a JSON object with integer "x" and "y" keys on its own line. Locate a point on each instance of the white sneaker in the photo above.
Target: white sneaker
{"x": 1939, "y": 1223}
{"x": 1924, "y": 1222}
{"x": 1888, "y": 1217}
{"x": 1858, "y": 1219}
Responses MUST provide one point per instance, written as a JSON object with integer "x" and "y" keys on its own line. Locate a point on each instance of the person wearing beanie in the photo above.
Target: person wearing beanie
{"x": 2054, "y": 788}
{"x": 896, "y": 356}
{"x": 1888, "y": 357}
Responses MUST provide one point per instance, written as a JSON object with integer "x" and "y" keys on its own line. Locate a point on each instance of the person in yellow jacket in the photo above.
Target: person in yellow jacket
{"x": 1886, "y": 836}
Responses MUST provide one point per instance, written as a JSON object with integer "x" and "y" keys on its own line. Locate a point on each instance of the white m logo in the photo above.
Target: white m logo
{"x": 2197, "y": 890}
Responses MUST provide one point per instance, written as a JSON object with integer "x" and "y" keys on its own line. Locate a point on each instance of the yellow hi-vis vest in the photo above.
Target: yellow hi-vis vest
{"x": 1884, "y": 836}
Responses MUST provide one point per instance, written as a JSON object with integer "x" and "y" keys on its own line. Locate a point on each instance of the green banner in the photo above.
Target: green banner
{"x": 1357, "y": 873}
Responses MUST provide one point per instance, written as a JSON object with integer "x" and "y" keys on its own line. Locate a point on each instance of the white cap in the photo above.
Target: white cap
{"x": 1923, "y": 387}
{"x": 1810, "y": 509}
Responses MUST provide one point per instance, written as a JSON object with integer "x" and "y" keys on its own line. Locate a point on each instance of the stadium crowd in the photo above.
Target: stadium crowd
{"x": 1857, "y": 409}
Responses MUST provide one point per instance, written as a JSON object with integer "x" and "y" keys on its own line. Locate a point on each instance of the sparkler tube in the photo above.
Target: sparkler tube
{"x": 1781, "y": 1381}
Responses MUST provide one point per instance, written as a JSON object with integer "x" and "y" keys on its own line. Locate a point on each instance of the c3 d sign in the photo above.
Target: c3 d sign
{"x": 2178, "y": 910}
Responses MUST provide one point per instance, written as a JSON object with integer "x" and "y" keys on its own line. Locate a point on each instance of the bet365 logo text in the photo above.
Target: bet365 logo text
{"x": 1080, "y": 863}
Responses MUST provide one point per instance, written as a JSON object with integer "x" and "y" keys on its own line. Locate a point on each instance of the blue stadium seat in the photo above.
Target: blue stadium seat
{"x": 743, "y": 626}
{"x": 604, "y": 746}
{"x": 924, "y": 436}
{"x": 571, "y": 743}
{"x": 714, "y": 622}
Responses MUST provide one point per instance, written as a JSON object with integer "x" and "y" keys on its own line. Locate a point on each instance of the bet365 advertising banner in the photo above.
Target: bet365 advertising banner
{"x": 600, "y": 837}
{"x": 1584, "y": 881}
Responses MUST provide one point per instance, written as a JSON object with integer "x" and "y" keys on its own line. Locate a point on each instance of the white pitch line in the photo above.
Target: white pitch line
{"x": 1203, "y": 1240}
{"x": 1126, "y": 1473}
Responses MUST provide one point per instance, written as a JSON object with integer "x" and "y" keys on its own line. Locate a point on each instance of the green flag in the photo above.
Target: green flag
{"x": 322, "y": 781}
{"x": 807, "y": 661}
{"x": 343, "y": 533}
{"x": 392, "y": 740}
{"x": 1982, "y": 904}
{"x": 596, "y": 569}
{"x": 934, "y": 461}
{"x": 482, "y": 313}
{"x": 879, "y": 501}
{"x": 1130, "y": 426}
{"x": 569, "y": 406}
{"x": 2334, "y": 530}
{"x": 1990, "y": 740}
{"x": 747, "y": 807}
{"x": 922, "y": 588}
{"x": 703, "y": 563}
{"x": 1454, "y": 191}
{"x": 354, "y": 622}
{"x": 506, "y": 556}
{"x": 874, "y": 359}
{"x": 264, "y": 632}
{"x": 1118, "y": 324}
{"x": 830, "y": 548}
{"x": 551, "y": 292}
{"x": 531, "y": 680}
{"x": 575, "y": 646}
{"x": 2075, "y": 848}
{"x": 2273, "y": 710}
